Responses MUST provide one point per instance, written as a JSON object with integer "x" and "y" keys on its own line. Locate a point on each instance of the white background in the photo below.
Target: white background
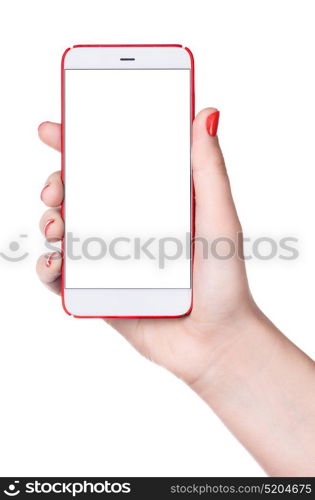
{"x": 138, "y": 179}
{"x": 75, "y": 398}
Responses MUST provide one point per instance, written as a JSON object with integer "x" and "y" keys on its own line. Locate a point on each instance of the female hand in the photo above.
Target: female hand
{"x": 255, "y": 379}
{"x": 222, "y": 301}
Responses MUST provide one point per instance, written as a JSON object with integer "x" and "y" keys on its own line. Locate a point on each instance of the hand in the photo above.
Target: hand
{"x": 185, "y": 346}
{"x": 255, "y": 379}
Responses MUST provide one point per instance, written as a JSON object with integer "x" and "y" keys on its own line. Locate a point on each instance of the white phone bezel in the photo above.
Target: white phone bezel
{"x": 116, "y": 302}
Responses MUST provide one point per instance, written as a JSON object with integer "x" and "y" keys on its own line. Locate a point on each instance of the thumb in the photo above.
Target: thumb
{"x": 215, "y": 211}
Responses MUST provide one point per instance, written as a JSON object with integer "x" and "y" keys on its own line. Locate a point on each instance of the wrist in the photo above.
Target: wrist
{"x": 260, "y": 388}
{"x": 242, "y": 349}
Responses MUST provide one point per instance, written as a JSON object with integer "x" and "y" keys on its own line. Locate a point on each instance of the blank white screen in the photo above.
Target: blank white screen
{"x": 127, "y": 175}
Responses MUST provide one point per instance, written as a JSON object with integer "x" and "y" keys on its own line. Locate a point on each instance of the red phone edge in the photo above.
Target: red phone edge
{"x": 192, "y": 97}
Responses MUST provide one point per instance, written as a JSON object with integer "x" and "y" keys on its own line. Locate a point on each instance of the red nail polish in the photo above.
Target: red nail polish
{"x": 50, "y": 258}
{"x": 212, "y": 123}
{"x": 50, "y": 221}
{"x": 41, "y": 194}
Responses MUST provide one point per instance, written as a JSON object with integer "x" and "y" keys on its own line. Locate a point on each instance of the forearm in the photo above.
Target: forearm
{"x": 264, "y": 391}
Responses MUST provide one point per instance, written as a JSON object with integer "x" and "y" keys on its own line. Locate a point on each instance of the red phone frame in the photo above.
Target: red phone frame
{"x": 192, "y": 98}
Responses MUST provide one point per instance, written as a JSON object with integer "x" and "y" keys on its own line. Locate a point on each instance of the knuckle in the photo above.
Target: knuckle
{"x": 56, "y": 175}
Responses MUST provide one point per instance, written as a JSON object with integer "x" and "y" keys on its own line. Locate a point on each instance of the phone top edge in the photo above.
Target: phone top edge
{"x": 129, "y": 45}
{"x": 172, "y": 56}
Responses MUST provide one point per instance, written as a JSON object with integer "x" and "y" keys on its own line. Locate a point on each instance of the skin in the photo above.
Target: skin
{"x": 226, "y": 350}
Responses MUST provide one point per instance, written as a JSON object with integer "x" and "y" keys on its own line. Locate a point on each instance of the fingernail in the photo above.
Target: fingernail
{"x": 50, "y": 258}
{"x": 212, "y": 123}
{"x": 41, "y": 194}
{"x": 50, "y": 221}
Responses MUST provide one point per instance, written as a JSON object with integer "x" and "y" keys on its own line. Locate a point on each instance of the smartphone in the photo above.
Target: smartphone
{"x": 127, "y": 112}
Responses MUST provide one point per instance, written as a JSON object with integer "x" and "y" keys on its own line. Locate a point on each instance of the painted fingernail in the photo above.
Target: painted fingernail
{"x": 50, "y": 221}
{"x": 212, "y": 123}
{"x": 41, "y": 194}
{"x": 50, "y": 257}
